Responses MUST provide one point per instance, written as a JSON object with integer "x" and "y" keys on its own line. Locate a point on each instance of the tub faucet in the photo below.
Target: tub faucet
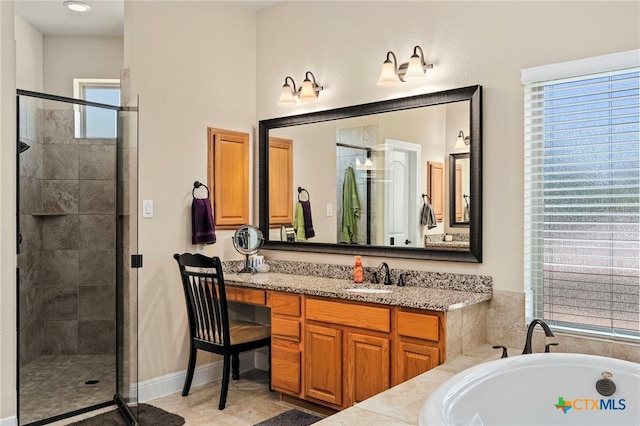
{"x": 387, "y": 274}
{"x": 547, "y": 331}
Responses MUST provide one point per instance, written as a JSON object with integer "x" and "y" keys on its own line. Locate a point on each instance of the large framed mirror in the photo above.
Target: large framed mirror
{"x": 375, "y": 178}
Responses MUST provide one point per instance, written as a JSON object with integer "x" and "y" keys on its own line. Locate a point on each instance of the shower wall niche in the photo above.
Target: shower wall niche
{"x": 67, "y": 227}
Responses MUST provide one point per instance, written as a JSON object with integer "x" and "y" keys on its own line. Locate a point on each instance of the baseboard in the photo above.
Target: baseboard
{"x": 172, "y": 383}
{"x": 9, "y": 421}
{"x": 262, "y": 361}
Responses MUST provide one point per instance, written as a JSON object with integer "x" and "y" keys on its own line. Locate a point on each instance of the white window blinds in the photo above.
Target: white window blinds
{"x": 582, "y": 201}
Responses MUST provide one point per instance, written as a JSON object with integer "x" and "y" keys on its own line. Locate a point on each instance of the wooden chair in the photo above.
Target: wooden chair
{"x": 210, "y": 328}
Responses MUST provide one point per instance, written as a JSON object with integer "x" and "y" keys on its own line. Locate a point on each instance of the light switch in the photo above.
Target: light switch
{"x": 329, "y": 209}
{"x": 147, "y": 208}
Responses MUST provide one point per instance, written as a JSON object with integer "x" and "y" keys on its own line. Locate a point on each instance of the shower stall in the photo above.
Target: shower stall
{"x": 77, "y": 238}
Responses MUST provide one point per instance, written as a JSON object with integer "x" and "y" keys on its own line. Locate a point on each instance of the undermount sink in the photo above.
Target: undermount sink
{"x": 368, "y": 290}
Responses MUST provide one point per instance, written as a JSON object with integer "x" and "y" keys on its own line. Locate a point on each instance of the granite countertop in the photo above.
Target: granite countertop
{"x": 410, "y": 296}
{"x": 401, "y": 404}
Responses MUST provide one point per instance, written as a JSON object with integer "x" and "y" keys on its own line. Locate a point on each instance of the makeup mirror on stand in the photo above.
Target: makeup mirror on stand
{"x": 247, "y": 240}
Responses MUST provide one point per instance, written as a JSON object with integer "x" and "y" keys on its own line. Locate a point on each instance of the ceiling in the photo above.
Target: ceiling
{"x": 106, "y": 17}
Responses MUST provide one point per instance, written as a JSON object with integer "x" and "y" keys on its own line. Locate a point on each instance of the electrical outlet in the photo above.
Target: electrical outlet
{"x": 329, "y": 209}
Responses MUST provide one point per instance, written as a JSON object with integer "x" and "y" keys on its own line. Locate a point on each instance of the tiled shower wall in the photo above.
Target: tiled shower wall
{"x": 68, "y": 228}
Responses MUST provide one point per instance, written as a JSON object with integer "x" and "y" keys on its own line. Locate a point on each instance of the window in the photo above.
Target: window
{"x": 95, "y": 122}
{"x": 582, "y": 194}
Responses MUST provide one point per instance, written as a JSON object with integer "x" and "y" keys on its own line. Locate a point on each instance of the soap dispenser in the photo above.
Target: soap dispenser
{"x": 358, "y": 271}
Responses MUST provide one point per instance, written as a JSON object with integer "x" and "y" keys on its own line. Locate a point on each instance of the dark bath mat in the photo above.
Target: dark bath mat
{"x": 148, "y": 415}
{"x": 291, "y": 418}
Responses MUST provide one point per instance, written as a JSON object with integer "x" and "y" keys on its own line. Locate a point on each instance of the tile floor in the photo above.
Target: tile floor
{"x": 55, "y": 384}
{"x": 249, "y": 401}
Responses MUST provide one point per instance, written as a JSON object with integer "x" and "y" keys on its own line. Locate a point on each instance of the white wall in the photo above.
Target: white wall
{"x": 29, "y": 56}
{"x": 486, "y": 43}
{"x": 193, "y": 67}
{"x": 7, "y": 215}
{"x": 69, "y": 57}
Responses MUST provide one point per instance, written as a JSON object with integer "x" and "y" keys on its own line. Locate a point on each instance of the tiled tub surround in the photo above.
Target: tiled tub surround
{"x": 463, "y": 297}
{"x": 507, "y": 326}
{"x": 401, "y": 404}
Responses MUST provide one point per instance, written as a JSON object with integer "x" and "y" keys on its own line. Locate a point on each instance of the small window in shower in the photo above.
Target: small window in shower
{"x": 95, "y": 122}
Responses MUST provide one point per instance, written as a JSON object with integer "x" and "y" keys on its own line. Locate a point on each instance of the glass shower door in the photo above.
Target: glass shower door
{"x": 127, "y": 274}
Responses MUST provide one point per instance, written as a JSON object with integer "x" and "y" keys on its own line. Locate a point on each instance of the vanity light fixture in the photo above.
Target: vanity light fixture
{"x": 462, "y": 141}
{"x": 287, "y": 95}
{"x": 414, "y": 70}
{"x": 77, "y": 6}
{"x": 308, "y": 91}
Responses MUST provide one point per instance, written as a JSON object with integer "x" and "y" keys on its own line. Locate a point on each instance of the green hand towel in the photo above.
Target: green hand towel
{"x": 350, "y": 207}
{"x": 298, "y": 222}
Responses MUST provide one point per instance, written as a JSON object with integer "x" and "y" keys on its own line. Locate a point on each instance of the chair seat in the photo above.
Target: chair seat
{"x": 242, "y": 331}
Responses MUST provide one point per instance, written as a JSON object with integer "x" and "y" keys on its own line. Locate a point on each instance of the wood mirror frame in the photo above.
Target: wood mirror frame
{"x": 473, "y": 94}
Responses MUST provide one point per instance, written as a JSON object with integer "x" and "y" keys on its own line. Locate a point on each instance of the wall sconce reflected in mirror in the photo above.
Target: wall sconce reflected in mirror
{"x": 462, "y": 141}
{"x": 414, "y": 70}
{"x": 308, "y": 91}
{"x": 367, "y": 165}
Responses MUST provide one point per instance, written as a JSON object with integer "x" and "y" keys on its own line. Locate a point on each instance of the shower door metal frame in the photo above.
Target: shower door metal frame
{"x": 118, "y": 400}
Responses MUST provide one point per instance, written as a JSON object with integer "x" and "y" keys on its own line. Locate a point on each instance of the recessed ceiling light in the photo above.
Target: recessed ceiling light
{"x": 77, "y": 6}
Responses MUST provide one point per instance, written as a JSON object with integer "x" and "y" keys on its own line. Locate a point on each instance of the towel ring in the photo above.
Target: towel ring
{"x": 196, "y": 185}
{"x": 300, "y": 191}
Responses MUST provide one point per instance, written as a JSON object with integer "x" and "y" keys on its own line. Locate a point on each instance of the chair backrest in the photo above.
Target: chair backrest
{"x": 203, "y": 284}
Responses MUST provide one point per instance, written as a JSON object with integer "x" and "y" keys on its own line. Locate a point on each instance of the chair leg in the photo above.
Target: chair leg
{"x": 193, "y": 353}
{"x": 225, "y": 382}
{"x": 235, "y": 367}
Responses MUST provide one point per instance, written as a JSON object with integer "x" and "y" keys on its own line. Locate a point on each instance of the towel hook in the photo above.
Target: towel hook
{"x": 300, "y": 191}
{"x": 196, "y": 185}
{"x": 428, "y": 198}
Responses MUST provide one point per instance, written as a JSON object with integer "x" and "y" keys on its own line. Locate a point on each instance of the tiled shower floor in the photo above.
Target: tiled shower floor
{"x": 55, "y": 384}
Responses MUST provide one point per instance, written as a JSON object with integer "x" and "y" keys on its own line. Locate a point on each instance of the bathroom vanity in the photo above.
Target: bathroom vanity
{"x": 337, "y": 343}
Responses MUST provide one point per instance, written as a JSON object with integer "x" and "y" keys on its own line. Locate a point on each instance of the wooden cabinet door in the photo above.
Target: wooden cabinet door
{"x": 228, "y": 177}
{"x": 413, "y": 359}
{"x": 458, "y": 200}
{"x": 368, "y": 365}
{"x": 323, "y": 364}
{"x": 280, "y": 182}
{"x": 435, "y": 185}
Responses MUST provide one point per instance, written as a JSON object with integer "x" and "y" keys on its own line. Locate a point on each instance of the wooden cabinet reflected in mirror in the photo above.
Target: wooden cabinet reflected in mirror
{"x": 280, "y": 182}
{"x": 388, "y": 145}
{"x": 459, "y": 189}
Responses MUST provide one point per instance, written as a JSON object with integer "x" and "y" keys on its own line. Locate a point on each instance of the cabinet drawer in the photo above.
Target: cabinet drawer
{"x": 367, "y": 317}
{"x": 418, "y": 325}
{"x": 246, "y": 295}
{"x": 285, "y": 304}
{"x": 285, "y": 369}
{"x": 285, "y": 329}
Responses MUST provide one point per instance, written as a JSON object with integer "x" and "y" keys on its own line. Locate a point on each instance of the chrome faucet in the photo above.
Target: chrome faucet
{"x": 387, "y": 274}
{"x": 547, "y": 331}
